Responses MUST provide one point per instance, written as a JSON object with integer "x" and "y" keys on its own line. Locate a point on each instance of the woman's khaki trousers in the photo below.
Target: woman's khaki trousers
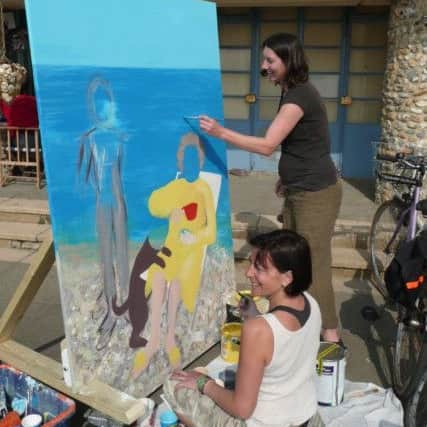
{"x": 313, "y": 214}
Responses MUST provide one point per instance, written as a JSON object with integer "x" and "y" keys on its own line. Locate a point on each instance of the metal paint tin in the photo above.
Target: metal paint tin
{"x": 230, "y": 341}
{"x": 330, "y": 377}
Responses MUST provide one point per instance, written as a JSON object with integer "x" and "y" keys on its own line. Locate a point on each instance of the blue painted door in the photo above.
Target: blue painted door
{"x": 366, "y": 51}
{"x": 237, "y": 39}
{"x": 346, "y": 61}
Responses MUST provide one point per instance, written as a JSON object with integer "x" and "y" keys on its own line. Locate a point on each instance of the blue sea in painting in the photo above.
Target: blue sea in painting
{"x": 150, "y": 106}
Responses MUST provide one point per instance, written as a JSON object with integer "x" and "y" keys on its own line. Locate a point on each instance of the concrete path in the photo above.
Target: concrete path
{"x": 254, "y": 193}
{"x": 369, "y": 343}
{"x": 251, "y": 193}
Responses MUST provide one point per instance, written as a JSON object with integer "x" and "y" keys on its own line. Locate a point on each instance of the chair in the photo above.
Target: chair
{"x": 20, "y": 148}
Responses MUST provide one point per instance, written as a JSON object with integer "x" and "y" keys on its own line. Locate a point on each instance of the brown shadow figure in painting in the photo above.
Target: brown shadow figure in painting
{"x": 136, "y": 303}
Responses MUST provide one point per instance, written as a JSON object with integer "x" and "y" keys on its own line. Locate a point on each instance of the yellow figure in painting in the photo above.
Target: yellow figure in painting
{"x": 190, "y": 209}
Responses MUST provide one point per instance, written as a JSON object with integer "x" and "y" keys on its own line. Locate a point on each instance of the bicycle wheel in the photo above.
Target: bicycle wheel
{"x": 409, "y": 350}
{"x": 383, "y": 226}
{"x": 415, "y": 414}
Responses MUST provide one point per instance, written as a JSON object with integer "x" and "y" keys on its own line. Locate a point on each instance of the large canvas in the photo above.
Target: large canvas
{"x": 138, "y": 196}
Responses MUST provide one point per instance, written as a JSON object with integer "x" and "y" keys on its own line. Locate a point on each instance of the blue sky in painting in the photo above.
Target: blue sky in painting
{"x": 132, "y": 33}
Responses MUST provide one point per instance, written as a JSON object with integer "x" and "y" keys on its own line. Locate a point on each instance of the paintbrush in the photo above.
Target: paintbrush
{"x": 247, "y": 306}
{"x": 210, "y": 151}
{"x": 198, "y": 117}
{"x": 162, "y": 396}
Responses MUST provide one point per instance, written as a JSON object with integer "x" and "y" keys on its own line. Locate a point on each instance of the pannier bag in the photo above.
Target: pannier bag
{"x": 406, "y": 276}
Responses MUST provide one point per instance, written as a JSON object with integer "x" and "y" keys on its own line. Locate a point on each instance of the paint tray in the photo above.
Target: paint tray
{"x": 55, "y": 408}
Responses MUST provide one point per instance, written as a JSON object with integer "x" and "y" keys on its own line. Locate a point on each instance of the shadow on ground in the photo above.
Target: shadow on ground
{"x": 365, "y": 186}
{"x": 251, "y": 225}
{"x": 366, "y": 317}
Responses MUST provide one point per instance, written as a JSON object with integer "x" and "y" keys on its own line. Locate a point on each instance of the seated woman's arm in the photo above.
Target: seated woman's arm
{"x": 256, "y": 348}
{"x": 255, "y": 340}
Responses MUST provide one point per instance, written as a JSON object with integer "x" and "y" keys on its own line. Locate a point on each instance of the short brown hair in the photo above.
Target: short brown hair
{"x": 287, "y": 250}
{"x": 188, "y": 140}
{"x": 289, "y": 49}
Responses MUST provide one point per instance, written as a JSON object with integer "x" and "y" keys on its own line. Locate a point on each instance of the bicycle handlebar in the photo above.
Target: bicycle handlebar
{"x": 412, "y": 162}
{"x": 388, "y": 157}
{"x": 398, "y": 179}
{"x": 404, "y": 161}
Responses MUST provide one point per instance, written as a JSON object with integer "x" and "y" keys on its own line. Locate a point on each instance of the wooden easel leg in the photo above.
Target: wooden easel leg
{"x": 2, "y": 174}
{"x": 27, "y": 289}
{"x": 38, "y": 178}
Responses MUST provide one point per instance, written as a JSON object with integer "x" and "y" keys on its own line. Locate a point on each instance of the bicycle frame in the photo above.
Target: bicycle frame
{"x": 409, "y": 365}
{"x": 412, "y": 226}
{"x": 413, "y": 214}
{"x": 416, "y": 182}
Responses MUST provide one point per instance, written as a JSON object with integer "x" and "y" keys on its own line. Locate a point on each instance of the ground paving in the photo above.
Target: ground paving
{"x": 368, "y": 342}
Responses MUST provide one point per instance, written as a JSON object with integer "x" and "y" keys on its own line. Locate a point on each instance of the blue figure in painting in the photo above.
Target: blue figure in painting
{"x": 100, "y": 160}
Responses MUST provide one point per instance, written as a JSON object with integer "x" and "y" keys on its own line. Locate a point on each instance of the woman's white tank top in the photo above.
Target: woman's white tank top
{"x": 287, "y": 394}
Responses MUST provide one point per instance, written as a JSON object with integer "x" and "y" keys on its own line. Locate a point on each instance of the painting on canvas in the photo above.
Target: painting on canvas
{"x": 138, "y": 195}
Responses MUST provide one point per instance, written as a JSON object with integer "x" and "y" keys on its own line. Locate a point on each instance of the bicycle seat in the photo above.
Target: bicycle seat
{"x": 422, "y": 206}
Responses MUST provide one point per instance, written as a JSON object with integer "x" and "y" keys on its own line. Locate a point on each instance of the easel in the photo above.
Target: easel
{"x": 98, "y": 395}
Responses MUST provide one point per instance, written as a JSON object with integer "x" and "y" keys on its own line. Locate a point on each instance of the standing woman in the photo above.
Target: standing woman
{"x": 307, "y": 174}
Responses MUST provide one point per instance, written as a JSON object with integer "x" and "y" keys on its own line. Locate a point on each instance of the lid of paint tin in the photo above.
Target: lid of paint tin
{"x": 330, "y": 351}
{"x": 168, "y": 417}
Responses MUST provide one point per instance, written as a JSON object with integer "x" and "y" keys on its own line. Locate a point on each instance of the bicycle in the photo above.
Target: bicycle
{"x": 396, "y": 221}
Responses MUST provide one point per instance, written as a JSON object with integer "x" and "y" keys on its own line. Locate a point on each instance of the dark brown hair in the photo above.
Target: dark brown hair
{"x": 287, "y": 250}
{"x": 289, "y": 49}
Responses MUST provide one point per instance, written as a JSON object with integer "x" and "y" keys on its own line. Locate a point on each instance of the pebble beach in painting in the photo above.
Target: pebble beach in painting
{"x": 196, "y": 332}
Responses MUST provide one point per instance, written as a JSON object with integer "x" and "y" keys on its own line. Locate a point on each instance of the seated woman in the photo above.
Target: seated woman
{"x": 275, "y": 376}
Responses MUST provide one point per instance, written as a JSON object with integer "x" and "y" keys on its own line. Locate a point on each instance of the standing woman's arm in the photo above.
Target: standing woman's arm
{"x": 286, "y": 119}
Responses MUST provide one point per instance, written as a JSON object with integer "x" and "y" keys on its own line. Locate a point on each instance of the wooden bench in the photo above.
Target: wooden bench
{"x": 20, "y": 155}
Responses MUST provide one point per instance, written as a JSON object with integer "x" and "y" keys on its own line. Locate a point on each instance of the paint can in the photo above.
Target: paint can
{"x": 66, "y": 364}
{"x": 230, "y": 341}
{"x": 228, "y": 377}
{"x": 330, "y": 377}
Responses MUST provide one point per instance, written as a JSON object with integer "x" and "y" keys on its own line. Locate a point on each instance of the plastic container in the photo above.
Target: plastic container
{"x": 168, "y": 419}
{"x": 32, "y": 420}
{"x": 230, "y": 341}
{"x": 55, "y": 408}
